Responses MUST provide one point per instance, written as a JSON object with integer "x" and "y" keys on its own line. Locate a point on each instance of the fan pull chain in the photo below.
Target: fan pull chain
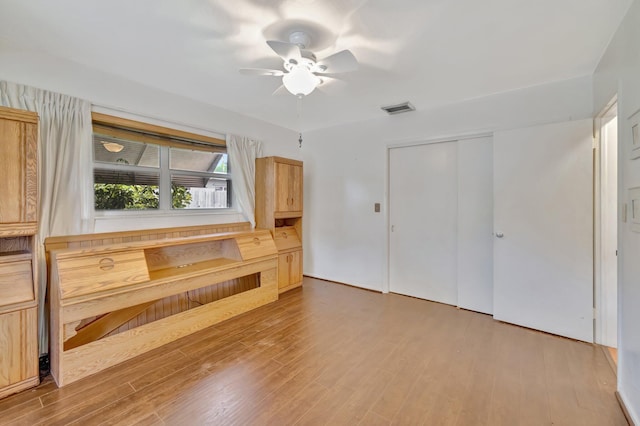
{"x": 299, "y": 113}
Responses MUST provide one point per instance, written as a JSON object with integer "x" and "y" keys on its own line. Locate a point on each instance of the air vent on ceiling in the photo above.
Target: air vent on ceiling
{"x": 400, "y": 108}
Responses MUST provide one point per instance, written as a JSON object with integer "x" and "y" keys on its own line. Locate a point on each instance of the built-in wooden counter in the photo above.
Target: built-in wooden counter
{"x": 113, "y": 282}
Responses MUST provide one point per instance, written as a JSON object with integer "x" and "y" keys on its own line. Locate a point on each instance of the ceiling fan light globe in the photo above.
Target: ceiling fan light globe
{"x": 300, "y": 81}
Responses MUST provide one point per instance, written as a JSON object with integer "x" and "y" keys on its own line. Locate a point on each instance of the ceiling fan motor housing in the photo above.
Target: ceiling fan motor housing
{"x": 300, "y": 38}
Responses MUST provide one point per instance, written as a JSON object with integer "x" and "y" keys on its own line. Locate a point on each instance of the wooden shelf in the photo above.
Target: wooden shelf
{"x": 188, "y": 270}
{"x": 15, "y": 256}
{"x": 8, "y": 230}
{"x": 286, "y": 215}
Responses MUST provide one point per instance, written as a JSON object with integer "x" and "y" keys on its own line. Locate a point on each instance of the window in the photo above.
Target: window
{"x": 142, "y": 170}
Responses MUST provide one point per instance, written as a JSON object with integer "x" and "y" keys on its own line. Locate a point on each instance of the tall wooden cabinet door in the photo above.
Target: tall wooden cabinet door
{"x": 289, "y": 268}
{"x": 295, "y": 267}
{"x": 295, "y": 188}
{"x": 18, "y": 172}
{"x": 19, "y": 343}
{"x": 283, "y": 270}
{"x": 283, "y": 198}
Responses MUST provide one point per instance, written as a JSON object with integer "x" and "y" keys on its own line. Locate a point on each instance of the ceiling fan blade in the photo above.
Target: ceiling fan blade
{"x": 331, "y": 85}
{"x": 261, "y": 71}
{"x": 343, "y": 61}
{"x": 286, "y": 51}
{"x": 281, "y": 90}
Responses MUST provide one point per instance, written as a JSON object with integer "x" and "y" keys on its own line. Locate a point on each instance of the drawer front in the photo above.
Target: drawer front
{"x": 256, "y": 245}
{"x": 90, "y": 274}
{"x": 287, "y": 238}
{"x": 16, "y": 282}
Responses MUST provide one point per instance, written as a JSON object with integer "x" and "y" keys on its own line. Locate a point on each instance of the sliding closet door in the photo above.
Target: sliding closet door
{"x": 543, "y": 203}
{"x": 423, "y": 197}
{"x": 475, "y": 224}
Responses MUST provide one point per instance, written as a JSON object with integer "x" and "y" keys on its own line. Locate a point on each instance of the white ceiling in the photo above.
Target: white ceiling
{"x": 429, "y": 52}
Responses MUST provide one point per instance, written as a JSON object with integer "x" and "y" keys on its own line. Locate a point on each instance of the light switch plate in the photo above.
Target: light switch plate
{"x": 634, "y": 207}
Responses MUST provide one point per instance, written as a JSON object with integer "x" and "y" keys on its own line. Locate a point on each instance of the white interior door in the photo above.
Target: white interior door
{"x": 543, "y": 208}
{"x": 423, "y": 197}
{"x": 475, "y": 224}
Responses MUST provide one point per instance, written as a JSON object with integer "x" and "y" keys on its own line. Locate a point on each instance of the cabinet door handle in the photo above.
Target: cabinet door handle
{"x": 256, "y": 241}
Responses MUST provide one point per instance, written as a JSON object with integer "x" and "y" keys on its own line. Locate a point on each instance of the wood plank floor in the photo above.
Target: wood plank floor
{"x": 333, "y": 354}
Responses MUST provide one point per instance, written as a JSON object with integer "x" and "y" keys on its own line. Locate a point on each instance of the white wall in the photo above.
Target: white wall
{"x": 346, "y": 167}
{"x": 619, "y": 73}
{"x": 118, "y": 96}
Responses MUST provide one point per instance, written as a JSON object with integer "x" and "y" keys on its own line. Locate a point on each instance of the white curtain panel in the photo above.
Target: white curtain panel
{"x": 65, "y": 171}
{"x": 243, "y": 152}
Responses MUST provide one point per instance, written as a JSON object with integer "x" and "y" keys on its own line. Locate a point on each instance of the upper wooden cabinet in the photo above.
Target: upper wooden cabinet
{"x": 288, "y": 179}
{"x": 18, "y": 173}
{"x": 278, "y": 189}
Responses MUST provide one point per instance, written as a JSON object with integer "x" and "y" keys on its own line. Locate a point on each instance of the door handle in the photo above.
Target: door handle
{"x": 499, "y": 235}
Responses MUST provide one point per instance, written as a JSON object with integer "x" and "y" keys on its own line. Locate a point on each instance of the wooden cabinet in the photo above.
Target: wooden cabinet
{"x": 18, "y": 172}
{"x": 288, "y": 187}
{"x": 289, "y": 270}
{"x": 18, "y": 225}
{"x": 279, "y": 184}
{"x": 18, "y": 337}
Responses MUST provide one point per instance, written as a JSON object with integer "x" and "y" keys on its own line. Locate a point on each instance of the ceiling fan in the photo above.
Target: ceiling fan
{"x": 302, "y": 71}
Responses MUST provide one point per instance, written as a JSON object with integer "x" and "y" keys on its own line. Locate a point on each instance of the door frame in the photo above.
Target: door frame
{"x": 404, "y": 143}
{"x": 598, "y": 258}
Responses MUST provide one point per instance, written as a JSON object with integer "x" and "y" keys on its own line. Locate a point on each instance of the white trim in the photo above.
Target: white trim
{"x": 387, "y": 218}
{"x": 332, "y": 280}
{"x": 600, "y": 318}
{"x": 630, "y": 409}
{"x": 440, "y": 139}
{"x": 597, "y": 228}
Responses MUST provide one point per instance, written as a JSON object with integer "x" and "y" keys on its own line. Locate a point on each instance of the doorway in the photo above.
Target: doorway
{"x": 606, "y": 228}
